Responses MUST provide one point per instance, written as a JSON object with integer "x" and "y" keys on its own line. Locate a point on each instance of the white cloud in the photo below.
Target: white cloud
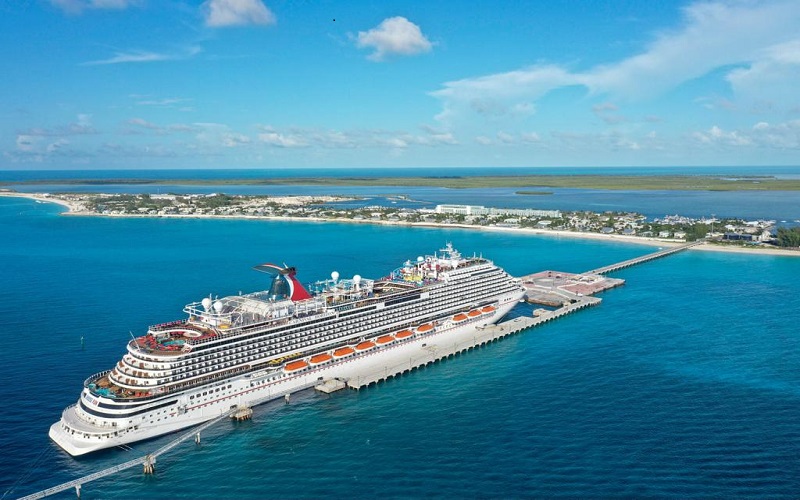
{"x": 608, "y": 112}
{"x": 718, "y": 136}
{"x": 26, "y": 143}
{"x": 235, "y": 140}
{"x": 57, "y": 146}
{"x": 395, "y": 35}
{"x": 352, "y": 139}
{"x": 282, "y": 140}
{"x": 162, "y": 102}
{"x": 442, "y": 138}
{"x": 138, "y": 56}
{"x": 774, "y": 75}
{"x": 221, "y": 13}
{"x": 181, "y": 127}
{"x": 713, "y": 35}
{"x": 780, "y": 136}
{"x": 532, "y": 137}
{"x": 81, "y": 126}
{"x": 498, "y": 94}
{"x": 78, "y": 6}
{"x": 506, "y": 138}
{"x": 396, "y": 142}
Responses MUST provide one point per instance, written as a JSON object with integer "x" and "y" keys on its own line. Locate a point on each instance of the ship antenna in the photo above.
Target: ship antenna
{"x": 134, "y": 342}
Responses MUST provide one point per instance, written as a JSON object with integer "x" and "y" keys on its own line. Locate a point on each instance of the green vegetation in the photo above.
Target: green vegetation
{"x": 610, "y": 182}
{"x": 533, "y": 193}
{"x": 789, "y": 237}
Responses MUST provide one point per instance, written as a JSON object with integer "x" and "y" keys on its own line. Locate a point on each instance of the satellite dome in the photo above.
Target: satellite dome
{"x": 357, "y": 279}
{"x": 420, "y": 259}
{"x": 206, "y": 303}
{"x": 218, "y": 305}
{"x": 334, "y": 276}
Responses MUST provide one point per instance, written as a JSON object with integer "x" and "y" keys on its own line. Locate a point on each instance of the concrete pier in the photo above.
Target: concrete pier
{"x": 330, "y": 385}
{"x": 645, "y": 258}
{"x": 566, "y": 291}
{"x": 434, "y": 352}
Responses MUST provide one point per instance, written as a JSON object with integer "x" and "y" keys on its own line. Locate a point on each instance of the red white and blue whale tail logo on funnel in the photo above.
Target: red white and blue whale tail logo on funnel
{"x": 284, "y": 283}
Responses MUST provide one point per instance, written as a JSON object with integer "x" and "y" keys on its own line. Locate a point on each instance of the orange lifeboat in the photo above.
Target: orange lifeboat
{"x": 365, "y": 346}
{"x": 424, "y": 328}
{"x": 295, "y": 366}
{"x": 487, "y": 310}
{"x": 458, "y": 318}
{"x": 403, "y": 334}
{"x": 320, "y": 358}
{"x": 386, "y": 339}
{"x": 474, "y": 313}
{"x": 343, "y": 352}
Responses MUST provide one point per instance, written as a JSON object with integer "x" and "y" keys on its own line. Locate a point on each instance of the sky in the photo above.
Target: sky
{"x": 144, "y": 84}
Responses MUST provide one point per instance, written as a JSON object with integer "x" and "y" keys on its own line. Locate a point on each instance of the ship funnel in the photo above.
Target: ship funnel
{"x": 284, "y": 284}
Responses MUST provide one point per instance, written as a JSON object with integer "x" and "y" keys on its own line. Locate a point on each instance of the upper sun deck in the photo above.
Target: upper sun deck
{"x": 433, "y": 268}
{"x": 288, "y": 301}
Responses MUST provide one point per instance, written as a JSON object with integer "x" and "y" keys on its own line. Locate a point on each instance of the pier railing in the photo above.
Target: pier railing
{"x": 644, "y": 258}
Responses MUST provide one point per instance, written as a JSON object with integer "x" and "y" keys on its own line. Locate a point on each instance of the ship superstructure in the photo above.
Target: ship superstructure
{"x": 247, "y": 349}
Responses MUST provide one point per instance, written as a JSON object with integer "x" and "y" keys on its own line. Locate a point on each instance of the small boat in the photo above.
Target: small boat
{"x": 343, "y": 352}
{"x": 320, "y": 358}
{"x": 488, "y": 310}
{"x": 295, "y": 366}
{"x": 474, "y": 313}
{"x": 458, "y": 318}
{"x": 403, "y": 334}
{"x": 386, "y": 339}
{"x": 365, "y": 346}
{"x": 424, "y": 328}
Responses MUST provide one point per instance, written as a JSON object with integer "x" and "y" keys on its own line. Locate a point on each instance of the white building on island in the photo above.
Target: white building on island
{"x": 481, "y": 210}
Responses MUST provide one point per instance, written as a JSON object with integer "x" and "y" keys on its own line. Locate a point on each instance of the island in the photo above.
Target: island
{"x": 723, "y": 234}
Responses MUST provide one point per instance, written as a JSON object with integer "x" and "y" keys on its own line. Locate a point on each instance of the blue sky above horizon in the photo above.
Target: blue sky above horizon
{"x": 98, "y": 84}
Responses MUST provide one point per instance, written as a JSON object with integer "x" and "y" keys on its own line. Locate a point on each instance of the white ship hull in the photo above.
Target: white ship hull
{"x": 195, "y": 407}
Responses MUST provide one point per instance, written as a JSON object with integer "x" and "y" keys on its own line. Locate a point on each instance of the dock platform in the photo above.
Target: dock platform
{"x": 433, "y": 353}
{"x": 566, "y": 292}
{"x": 330, "y": 385}
{"x": 558, "y": 288}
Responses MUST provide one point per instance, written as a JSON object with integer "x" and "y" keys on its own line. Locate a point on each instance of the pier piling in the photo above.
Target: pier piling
{"x": 566, "y": 300}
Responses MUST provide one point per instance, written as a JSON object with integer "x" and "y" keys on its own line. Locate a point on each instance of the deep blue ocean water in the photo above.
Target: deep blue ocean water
{"x": 682, "y": 383}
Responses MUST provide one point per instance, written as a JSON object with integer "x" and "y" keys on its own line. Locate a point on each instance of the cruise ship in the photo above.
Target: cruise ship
{"x": 243, "y": 350}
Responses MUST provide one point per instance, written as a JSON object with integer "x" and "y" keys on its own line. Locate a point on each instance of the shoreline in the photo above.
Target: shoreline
{"x": 76, "y": 209}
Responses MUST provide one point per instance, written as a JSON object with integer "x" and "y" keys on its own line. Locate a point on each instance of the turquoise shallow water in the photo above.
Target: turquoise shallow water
{"x": 684, "y": 382}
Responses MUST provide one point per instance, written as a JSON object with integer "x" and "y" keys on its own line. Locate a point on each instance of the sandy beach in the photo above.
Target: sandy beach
{"x": 75, "y": 208}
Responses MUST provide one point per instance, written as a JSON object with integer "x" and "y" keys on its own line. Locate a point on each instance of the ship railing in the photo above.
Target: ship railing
{"x": 254, "y": 326}
{"x": 94, "y": 377}
{"x": 180, "y": 387}
{"x": 167, "y": 326}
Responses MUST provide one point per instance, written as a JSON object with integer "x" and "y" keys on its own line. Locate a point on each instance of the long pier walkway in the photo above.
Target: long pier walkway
{"x": 645, "y": 258}
{"x": 571, "y": 300}
{"x": 150, "y": 459}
